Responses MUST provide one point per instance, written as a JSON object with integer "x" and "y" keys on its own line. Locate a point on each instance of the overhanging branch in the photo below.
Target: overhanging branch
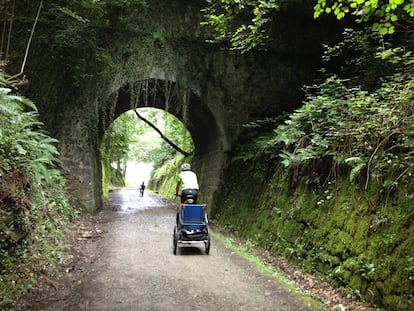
{"x": 186, "y": 154}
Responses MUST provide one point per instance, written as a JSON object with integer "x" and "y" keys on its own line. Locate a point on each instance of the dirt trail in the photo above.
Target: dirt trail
{"x": 133, "y": 268}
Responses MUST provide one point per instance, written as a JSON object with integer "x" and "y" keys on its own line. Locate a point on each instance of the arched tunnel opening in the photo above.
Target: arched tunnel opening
{"x": 187, "y": 106}
{"x": 182, "y": 102}
{"x": 132, "y": 151}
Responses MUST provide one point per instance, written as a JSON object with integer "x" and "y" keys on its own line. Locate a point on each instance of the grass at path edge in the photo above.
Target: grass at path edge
{"x": 270, "y": 271}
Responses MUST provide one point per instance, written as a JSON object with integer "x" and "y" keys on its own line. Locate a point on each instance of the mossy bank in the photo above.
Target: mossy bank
{"x": 340, "y": 231}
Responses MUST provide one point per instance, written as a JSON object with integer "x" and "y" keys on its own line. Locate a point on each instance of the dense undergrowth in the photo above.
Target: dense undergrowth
{"x": 34, "y": 206}
{"x": 331, "y": 189}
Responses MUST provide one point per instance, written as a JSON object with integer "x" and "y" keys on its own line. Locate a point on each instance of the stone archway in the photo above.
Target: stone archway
{"x": 84, "y": 86}
{"x": 198, "y": 118}
{"x": 195, "y": 115}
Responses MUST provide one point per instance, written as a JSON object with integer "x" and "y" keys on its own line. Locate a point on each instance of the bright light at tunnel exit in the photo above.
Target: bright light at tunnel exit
{"x": 136, "y": 173}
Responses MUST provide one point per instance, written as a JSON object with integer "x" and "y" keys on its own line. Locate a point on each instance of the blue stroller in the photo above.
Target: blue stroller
{"x": 192, "y": 227}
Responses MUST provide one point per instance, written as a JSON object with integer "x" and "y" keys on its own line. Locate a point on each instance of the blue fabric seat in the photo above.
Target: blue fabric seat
{"x": 193, "y": 216}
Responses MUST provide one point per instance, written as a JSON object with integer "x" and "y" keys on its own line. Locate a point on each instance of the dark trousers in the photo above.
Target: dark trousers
{"x": 189, "y": 193}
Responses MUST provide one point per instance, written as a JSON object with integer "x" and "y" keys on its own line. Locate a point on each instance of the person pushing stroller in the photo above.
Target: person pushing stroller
{"x": 192, "y": 224}
{"x": 188, "y": 183}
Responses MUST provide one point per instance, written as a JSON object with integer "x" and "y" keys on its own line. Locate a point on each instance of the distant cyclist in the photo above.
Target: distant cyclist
{"x": 188, "y": 183}
{"x": 141, "y": 189}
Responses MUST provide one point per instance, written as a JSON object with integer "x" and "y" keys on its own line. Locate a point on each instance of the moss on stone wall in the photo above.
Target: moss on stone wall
{"x": 339, "y": 231}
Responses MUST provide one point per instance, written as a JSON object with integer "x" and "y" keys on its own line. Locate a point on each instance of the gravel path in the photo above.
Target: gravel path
{"x": 133, "y": 267}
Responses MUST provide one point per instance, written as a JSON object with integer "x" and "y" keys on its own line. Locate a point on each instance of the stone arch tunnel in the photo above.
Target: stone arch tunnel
{"x": 198, "y": 118}
{"x": 79, "y": 91}
{"x": 227, "y": 91}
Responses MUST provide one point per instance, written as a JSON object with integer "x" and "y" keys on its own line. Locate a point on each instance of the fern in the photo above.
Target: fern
{"x": 356, "y": 171}
{"x": 34, "y": 198}
{"x": 288, "y": 159}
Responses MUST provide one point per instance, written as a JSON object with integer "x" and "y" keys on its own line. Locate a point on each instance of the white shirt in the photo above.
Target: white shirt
{"x": 188, "y": 180}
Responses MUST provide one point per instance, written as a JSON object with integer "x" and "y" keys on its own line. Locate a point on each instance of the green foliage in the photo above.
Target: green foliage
{"x": 151, "y": 148}
{"x": 130, "y": 139}
{"x": 244, "y": 23}
{"x": 355, "y": 128}
{"x": 22, "y": 145}
{"x": 383, "y": 15}
{"x": 259, "y": 146}
{"x": 339, "y": 231}
{"x": 251, "y": 150}
{"x": 117, "y": 139}
{"x": 365, "y": 58}
{"x": 33, "y": 203}
{"x": 164, "y": 179}
{"x": 370, "y": 134}
{"x": 339, "y": 202}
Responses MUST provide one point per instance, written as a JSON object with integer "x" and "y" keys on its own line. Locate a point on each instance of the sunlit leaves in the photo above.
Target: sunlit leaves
{"x": 130, "y": 139}
{"x": 383, "y": 15}
{"x": 245, "y": 23}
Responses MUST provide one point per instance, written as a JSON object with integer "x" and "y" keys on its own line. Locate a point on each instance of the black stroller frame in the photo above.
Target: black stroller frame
{"x": 192, "y": 227}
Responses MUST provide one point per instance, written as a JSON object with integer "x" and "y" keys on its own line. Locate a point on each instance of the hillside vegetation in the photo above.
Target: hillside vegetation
{"x": 328, "y": 186}
{"x": 331, "y": 189}
{"x": 34, "y": 205}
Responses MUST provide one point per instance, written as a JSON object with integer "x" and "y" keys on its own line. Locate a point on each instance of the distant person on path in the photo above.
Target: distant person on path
{"x": 141, "y": 189}
{"x": 188, "y": 183}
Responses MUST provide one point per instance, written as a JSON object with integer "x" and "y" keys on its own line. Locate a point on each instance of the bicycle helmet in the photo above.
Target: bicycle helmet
{"x": 186, "y": 167}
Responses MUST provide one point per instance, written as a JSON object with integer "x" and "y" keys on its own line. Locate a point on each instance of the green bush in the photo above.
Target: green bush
{"x": 336, "y": 196}
{"x": 34, "y": 207}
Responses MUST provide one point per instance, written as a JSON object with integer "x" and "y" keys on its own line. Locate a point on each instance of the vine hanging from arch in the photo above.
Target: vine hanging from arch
{"x": 136, "y": 92}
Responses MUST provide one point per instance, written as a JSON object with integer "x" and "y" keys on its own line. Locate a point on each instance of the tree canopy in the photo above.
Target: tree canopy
{"x": 246, "y": 23}
{"x": 130, "y": 139}
{"x": 384, "y": 16}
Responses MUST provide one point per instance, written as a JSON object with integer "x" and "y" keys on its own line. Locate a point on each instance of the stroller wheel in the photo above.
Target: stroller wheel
{"x": 175, "y": 240}
{"x": 207, "y": 244}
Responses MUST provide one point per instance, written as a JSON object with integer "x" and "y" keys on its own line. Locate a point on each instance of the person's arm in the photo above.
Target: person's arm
{"x": 177, "y": 188}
